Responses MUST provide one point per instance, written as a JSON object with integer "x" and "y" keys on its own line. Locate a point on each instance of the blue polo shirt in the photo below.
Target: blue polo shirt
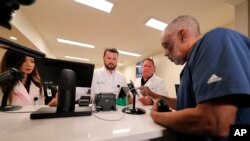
{"x": 218, "y": 66}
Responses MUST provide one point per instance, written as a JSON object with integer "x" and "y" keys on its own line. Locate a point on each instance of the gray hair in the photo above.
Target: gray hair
{"x": 185, "y": 22}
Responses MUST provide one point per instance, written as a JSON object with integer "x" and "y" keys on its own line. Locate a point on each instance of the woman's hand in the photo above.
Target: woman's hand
{"x": 53, "y": 102}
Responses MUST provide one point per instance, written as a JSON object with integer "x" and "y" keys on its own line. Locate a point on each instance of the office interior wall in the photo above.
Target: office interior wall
{"x": 130, "y": 72}
{"x": 22, "y": 23}
{"x": 164, "y": 68}
{"x": 242, "y": 17}
{"x": 168, "y": 71}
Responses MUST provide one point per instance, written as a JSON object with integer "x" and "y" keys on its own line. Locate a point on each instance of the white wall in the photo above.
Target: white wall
{"x": 242, "y": 17}
{"x": 129, "y": 72}
{"x": 22, "y": 23}
{"x": 168, "y": 71}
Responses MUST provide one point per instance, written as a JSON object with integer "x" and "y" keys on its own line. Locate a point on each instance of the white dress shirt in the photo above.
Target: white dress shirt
{"x": 155, "y": 84}
{"x": 106, "y": 82}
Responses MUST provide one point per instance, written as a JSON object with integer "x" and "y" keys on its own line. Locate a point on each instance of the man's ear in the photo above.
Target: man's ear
{"x": 182, "y": 34}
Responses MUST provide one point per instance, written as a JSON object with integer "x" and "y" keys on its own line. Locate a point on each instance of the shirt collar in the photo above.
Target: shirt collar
{"x": 107, "y": 71}
{"x": 144, "y": 82}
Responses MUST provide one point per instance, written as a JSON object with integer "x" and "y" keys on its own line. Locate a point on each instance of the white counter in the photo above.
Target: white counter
{"x": 109, "y": 125}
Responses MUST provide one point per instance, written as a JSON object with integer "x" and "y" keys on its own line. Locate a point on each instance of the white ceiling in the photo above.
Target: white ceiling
{"x": 123, "y": 28}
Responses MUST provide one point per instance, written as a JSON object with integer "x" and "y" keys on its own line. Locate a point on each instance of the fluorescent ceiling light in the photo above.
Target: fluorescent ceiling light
{"x": 156, "y": 24}
{"x": 76, "y": 58}
{"x": 129, "y": 53}
{"x": 98, "y": 4}
{"x": 119, "y": 64}
{"x": 75, "y": 43}
{"x": 13, "y": 38}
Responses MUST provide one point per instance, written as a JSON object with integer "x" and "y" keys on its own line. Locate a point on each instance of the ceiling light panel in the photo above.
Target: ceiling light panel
{"x": 75, "y": 43}
{"x": 13, "y": 38}
{"x": 129, "y": 53}
{"x": 102, "y": 5}
{"x": 119, "y": 64}
{"x": 159, "y": 25}
{"x": 76, "y": 58}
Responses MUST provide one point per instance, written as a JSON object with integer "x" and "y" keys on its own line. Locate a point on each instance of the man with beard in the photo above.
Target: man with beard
{"x": 107, "y": 79}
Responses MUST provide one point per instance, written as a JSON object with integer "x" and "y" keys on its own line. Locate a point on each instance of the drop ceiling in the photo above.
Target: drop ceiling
{"x": 123, "y": 28}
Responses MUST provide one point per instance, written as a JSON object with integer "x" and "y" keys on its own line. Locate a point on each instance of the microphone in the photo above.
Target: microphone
{"x": 35, "y": 100}
{"x": 11, "y": 73}
{"x": 66, "y": 91}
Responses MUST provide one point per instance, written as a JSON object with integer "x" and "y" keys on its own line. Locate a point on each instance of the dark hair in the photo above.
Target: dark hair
{"x": 113, "y": 50}
{"x": 150, "y": 59}
{"x": 15, "y": 60}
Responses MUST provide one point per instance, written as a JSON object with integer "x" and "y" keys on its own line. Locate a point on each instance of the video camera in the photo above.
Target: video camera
{"x": 7, "y": 7}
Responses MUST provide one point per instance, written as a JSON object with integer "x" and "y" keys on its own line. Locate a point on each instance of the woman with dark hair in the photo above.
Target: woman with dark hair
{"x": 27, "y": 91}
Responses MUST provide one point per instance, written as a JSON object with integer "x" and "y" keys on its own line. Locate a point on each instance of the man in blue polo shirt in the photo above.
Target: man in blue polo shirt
{"x": 215, "y": 83}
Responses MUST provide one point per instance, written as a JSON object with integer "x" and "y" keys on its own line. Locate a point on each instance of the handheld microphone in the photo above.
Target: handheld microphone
{"x": 66, "y": 91}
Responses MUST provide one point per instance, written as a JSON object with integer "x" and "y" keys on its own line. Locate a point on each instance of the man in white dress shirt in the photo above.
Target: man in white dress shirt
{"x": 150, "y": 81}
{"x": 107, "y": 79}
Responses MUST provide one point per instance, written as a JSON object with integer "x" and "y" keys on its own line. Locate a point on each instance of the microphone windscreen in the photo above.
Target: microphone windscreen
{"x": 17, "y": 74}
{"x": 67, "y": 79}
{"x": 66, "y": 91}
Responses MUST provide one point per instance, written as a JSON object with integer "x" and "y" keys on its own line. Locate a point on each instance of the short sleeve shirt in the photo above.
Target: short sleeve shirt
{"x": 218, "y": 65}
